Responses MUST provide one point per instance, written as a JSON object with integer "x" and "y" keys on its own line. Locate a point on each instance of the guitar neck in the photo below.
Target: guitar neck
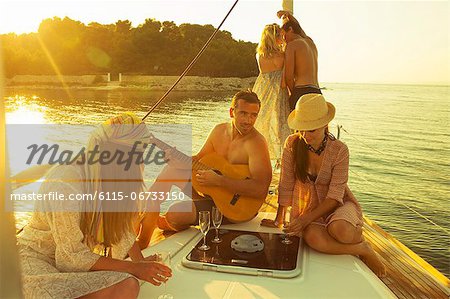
{"x": 196, "y": 165}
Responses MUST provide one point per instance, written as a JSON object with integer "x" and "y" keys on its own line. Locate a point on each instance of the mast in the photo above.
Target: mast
{"x": 10, "y": 280}
{"x": 288, "y": 5}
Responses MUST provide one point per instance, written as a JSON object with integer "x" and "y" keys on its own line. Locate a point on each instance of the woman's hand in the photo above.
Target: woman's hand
{"x": 283, "y": 14}
{"x": 152, "y": 272}
{"x": 298, "y": 225}
{"x": 151, "y": 258}
{"x": 278, "y": 221}
{"x": 270, "y": 223}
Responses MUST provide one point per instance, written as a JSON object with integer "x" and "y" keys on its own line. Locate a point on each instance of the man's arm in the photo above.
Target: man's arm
{"x": 287, "y": 16}
{"x": 284, "y": 14}
{"x": 208, "y": 146}
{"x": 260, "y": 173}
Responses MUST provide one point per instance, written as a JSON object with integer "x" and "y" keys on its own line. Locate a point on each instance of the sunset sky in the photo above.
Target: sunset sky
{"x": 358, "y": 41}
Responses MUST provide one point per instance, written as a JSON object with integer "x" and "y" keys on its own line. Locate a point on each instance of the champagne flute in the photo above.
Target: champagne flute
{"x": 204, "y": 223}
{"x": 217, "y": 221}
{"x": 164, "y": 258}
{"x": 287, "y": 219}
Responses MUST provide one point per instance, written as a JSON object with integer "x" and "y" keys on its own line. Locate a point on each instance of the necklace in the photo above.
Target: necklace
{"x": 321, "y": 147}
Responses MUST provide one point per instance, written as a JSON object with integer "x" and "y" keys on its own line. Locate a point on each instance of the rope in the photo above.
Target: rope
{"x": 403, "y": 204}
{"x": 392, "y": 197}
{"x": 188, "y": 68}
{"x": 383, "y": 153}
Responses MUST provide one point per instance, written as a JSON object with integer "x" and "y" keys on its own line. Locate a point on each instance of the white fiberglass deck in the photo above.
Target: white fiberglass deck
{"x": 323, "y": 276}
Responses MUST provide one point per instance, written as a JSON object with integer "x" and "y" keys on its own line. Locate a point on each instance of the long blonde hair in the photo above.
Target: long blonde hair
{"x": 268, "y": 45}
{"x": 105, "y": 222}
{"x": 122, "y": 215}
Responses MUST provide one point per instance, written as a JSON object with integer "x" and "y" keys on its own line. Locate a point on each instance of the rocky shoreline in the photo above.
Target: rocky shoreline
{"x": 129, "y": 82}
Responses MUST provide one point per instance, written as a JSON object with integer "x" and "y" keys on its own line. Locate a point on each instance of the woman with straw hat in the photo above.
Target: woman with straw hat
{"x": 314, "y": 174}
{"x": 75, "y": 248}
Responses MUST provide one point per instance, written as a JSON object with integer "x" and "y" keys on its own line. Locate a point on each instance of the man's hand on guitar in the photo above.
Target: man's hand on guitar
{"x": 208, "y": 178}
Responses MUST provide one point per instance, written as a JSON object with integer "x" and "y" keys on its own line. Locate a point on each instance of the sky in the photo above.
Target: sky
{"x": 404, "y": 42}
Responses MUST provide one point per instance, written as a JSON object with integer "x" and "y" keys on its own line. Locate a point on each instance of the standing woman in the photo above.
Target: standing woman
{"x": 271, "y": 90}
{"x": 75, "y": 248}
{"x": 314, "y": 175}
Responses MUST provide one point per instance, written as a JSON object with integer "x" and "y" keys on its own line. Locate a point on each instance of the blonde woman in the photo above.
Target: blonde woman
{"x": 271, "y": 90}
{"x": 75, "y": 249}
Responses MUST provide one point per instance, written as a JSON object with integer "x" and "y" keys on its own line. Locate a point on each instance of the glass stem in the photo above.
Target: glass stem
{"x": 217, "y": 233}
{"x": 204, "y": 240}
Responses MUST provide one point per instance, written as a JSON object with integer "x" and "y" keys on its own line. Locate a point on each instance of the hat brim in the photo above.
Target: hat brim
{"x": 297, "y": 124}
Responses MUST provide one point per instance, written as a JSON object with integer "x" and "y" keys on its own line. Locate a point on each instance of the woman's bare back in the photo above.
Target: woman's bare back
{"x": 274, "y": 63}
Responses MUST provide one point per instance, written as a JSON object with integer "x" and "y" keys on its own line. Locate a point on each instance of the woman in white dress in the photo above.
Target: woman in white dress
{"x": 75, "y": 249}
{"x": 271, "y": 90}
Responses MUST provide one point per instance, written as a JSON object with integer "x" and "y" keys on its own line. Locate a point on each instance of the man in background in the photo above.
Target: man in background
{"x": 300, "y": 59}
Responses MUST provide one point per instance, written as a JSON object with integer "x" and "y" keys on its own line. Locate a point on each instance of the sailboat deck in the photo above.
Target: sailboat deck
{"x": 408, "y": 275}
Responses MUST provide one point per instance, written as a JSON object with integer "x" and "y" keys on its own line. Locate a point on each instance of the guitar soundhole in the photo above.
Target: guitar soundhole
{"x": 234, "y": 199}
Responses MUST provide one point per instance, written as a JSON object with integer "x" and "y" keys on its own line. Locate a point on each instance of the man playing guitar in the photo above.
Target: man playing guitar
{"x": 237, "y": 142}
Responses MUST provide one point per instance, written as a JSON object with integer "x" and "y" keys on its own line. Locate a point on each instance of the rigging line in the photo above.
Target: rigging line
{"x": 403, "y": 204}
{"x": 188, "y": 68}
{"x": 380, "y": 152}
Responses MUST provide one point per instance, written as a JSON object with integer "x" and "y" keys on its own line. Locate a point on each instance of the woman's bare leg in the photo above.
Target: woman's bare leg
{"x": 179, "y": 212}
{"x": 181, "y": 215}
{"x": 126, "y": 289}
{"x": 318, "y": 238}
{"x": 344, "y": 232}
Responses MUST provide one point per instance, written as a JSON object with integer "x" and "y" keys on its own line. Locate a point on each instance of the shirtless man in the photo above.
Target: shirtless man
{"x": 239, "y": 143}
{"x": 300, "y": 59}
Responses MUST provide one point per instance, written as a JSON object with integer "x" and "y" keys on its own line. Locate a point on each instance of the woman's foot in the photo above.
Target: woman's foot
{"x": 372, "y": 259}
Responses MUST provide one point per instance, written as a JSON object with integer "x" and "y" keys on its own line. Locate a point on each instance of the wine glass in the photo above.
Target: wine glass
{"x": 204, "y": 223}
{"x": 287, "y": 219}
{"x": 217, "y": 221}
{"x": 164, "y": 258}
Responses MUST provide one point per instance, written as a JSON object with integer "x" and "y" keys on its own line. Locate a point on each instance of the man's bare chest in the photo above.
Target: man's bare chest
{"x": 233, "y": 151}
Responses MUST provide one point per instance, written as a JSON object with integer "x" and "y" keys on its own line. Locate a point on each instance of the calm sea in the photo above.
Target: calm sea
{"x": 397, "y": 134}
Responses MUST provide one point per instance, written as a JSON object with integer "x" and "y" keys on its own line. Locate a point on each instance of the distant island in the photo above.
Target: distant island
{"x": 129, "y": 82}
{"x": 70, "y": 48}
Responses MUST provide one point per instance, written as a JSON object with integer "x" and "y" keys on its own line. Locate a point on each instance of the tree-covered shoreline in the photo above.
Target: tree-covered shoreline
{"x": 69, "y": 47}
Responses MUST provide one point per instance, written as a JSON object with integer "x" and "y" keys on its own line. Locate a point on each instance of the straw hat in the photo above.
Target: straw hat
{"x": 311, "y": 112}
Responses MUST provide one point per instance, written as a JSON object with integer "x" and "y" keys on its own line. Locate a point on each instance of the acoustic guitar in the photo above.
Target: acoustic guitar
{"x": 237, "y": 208}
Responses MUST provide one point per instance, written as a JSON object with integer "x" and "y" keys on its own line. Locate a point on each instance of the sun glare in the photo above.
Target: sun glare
{"x": 25, "y": 113}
